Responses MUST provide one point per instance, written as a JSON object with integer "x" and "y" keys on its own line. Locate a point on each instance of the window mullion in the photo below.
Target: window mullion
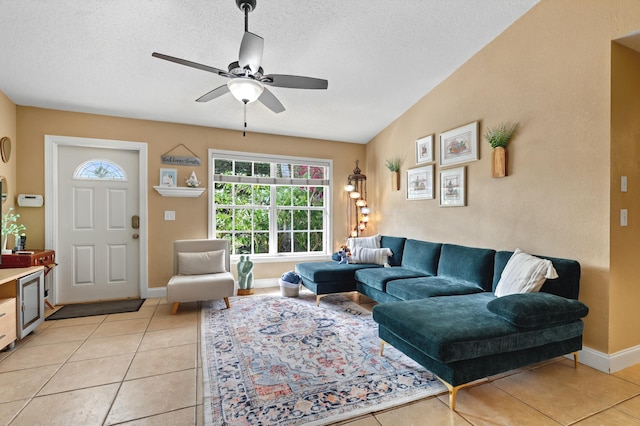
{"x": 273, "y": 221}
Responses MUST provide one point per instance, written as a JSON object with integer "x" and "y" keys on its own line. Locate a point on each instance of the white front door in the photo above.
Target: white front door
{"x": 98, "y": 245}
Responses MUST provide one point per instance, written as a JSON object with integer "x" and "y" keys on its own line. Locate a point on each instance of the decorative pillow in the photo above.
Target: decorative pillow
{"x": 537, "y": 309}
{"x": 366, "y": 242}
{"x": 198, "y": 263}
{"x": 378, "y": 256}
{"x": 524, "y": 273}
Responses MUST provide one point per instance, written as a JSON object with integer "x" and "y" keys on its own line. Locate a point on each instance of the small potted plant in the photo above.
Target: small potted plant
{"x": 393, "y": 164}
{"x": 499, "y": 137}
{"x": 10, "y": 227}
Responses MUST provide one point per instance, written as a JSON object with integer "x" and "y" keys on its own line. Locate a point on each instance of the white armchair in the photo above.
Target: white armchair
{"x": 201, "y": 271}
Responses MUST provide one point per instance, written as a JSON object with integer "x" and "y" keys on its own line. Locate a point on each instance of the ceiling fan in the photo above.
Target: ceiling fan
{"x": 247, "y": 78}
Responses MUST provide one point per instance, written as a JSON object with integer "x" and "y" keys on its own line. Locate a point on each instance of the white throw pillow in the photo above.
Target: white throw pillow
{"x": 198, "y": 263}
{"x": 366, "y": 242}
{"x": 524, "y": 274}
{"x": 378, "y": 256}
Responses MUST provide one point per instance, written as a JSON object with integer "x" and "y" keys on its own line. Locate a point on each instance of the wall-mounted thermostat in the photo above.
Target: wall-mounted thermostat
{"x": 30, "y": 200}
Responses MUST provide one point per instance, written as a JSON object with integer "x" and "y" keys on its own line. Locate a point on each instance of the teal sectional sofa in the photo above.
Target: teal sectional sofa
{"x": 437, "y": 305}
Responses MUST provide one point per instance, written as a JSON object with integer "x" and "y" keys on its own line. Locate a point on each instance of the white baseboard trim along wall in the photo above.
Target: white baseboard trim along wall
{"x": 609, "y": 363}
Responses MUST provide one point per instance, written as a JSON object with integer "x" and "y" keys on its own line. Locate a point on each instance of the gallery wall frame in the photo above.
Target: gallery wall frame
{"x": 424, "y": 149}
{"x": 420, "y": 183}
{"x": 453, "y": 187}
{"x": 459, "y": 145}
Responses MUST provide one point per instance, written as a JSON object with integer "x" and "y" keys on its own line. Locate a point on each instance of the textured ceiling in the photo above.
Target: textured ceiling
{"x": 379, "y": 57}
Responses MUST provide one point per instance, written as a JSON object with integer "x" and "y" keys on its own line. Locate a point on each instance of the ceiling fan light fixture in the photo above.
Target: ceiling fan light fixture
{"x": 245, "y": 90}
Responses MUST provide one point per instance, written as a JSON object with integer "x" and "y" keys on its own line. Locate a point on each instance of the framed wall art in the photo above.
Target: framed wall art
{"x": 453, "y": 187}
{"x": 459, "y": 145}
{"x": 168, "y": 177}
{"x": 424, "y": 150}
{"x": 420, "y": 183}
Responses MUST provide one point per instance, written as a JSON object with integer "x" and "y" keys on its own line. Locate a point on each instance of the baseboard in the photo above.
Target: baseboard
{"x": 266, "y": 282}
{"x": 156, "y": 292}
{"x": 609, "y": 363}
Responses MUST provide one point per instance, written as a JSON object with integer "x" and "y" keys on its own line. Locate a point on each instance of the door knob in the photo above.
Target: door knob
{"x": 135, "y": 236}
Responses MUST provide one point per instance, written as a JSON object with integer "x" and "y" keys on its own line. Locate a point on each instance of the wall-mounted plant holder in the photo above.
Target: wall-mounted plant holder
{"x": 499, "y": 137}
{"x": 393, "y": 164}
{"x": 395, "y": 181}
{"x": 499, "y": 162}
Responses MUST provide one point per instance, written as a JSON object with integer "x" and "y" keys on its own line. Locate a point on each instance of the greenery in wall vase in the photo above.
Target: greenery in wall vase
{"x": 393, "y": 164}
{"x": 499, "y": 137}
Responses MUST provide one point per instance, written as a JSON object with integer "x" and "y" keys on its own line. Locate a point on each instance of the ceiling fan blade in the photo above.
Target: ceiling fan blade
{"x": 215, "y": 93}
{"x": 294, "y": 81}
{"x": 189, "y": 64}
{"x": 251, "y": 50}
{"x": 269, "y": 100}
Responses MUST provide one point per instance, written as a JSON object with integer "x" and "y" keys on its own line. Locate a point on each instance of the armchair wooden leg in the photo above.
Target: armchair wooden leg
{"x": 174, "y": 308}
{"x": 226, "y": 302}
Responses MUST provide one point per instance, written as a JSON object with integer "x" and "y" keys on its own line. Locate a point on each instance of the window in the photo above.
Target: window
{"x": 270, "y": 206}
{"x": 99, "y": 169}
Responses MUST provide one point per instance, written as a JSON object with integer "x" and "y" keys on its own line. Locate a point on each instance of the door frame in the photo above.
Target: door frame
{"x": 51, "y": 147}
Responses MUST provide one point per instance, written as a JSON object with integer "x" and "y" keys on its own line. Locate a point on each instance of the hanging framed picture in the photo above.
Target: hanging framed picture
{"x": 420, "y": 183}
{"x": 168, "y": 177}
{"x": 453, "y": 187}
{"x": 459, "y": 145}
{"x": 424, "y": 150}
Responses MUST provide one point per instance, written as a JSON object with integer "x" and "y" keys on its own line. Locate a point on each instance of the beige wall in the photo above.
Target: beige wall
{"x": 625, "y": 158}
{"x": 8, "y": 128}
{"x": 550, "y": 72}
{"x": 191, "y": 213}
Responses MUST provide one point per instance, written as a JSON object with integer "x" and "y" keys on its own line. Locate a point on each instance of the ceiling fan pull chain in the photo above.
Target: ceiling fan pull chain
{"x": 244, "y": 131}
{"x": 246, "y": 18}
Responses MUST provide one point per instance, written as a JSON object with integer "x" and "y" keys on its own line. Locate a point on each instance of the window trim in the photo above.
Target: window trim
{"x": 257, "y": 157}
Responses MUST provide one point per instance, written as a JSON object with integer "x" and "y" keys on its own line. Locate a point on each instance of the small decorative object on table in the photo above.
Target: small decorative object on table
{"x": 499, "y": 137}
{"x": 10, "y": 227}
{"x": 393, "y": 164}
{"x": 193, "y": 181}
{"x": 245, "y": 276}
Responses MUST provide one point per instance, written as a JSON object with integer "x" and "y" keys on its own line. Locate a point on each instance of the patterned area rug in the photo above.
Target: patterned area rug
{"x": 275, "y": 360}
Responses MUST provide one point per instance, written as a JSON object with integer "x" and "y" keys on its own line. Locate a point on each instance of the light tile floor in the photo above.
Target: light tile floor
{"x": 144, "y": 368}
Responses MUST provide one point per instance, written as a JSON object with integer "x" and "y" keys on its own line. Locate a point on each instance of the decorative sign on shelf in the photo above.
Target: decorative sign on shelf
{"x": 179, "y": 160}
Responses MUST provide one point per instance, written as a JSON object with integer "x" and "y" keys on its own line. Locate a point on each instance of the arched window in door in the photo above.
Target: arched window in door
{"x": 99, "y": 170}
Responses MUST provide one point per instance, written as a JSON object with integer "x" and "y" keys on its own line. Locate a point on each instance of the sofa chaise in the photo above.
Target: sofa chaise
{"x": 437, "y": 305}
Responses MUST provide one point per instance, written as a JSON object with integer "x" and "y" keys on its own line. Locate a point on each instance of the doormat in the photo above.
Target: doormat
{"x": 99, "y": 308}
{"x": 284, "y": 361}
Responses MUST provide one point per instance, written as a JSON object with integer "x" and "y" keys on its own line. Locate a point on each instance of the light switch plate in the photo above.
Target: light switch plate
{"x": 623, "y": 184}
{"x": 623, "y": 217}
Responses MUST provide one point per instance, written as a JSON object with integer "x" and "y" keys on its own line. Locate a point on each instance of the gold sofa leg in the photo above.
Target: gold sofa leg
{"x": 382, "y": 342}
{"x": 575, "y": 360}
{"x": 174, "y": 308}
{"x": 453, "y": 392}
{"x": 318, "y": 297}
{"x": 226, "y": 302}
